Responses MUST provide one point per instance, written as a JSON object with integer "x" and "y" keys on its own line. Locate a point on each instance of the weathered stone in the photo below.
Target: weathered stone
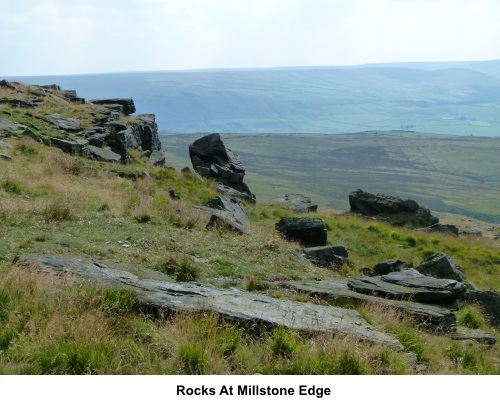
{"x": 478, "y": 335}
{"x": 297, "y": 203}
{"x": 234, "y": 305}
{"x": 327, "y": 256}
{"x": 157, "y": 158}
{"x": 127, "y": 105}
{"x": 6, "y": 84}
{"x": 389, "y": 266}
{"x": 17, "y": 103}
{"x": 307, "y": 231}
{"x": 409, "y": 284}
{"x": 222, "y": 219}
{"x": 5, "y": 157}
{"x": 103, "y": 155}
{"x": 8, "y": 125}
{"x": 232, "y": 207}
{"x": 434, "y": 317}
{"x": 63, "y": 123}
{"x": 442, "y": 228}
{"x": 244, "y": 195}
{"x": 173, "y": 195}
{"x": 489, "y": 301}
{"x": 210, "y": 150}
{"x": 211, "y": 158}
{"x": 30, "y": 134}
{"x": 71, "y": 147}
{"x": 440, "y": 266}
{"x": 396, "y": 210}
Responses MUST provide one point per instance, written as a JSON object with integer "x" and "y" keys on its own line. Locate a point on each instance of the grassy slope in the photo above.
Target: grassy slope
{"x": 447, "y": 174}
{"x": 53, "y": 203}
{"x": 80, "y": 209}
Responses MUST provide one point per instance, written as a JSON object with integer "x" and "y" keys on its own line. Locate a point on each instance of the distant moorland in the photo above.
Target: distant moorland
{"x": 456, "y": 98}
{"x": 456, "y": 175}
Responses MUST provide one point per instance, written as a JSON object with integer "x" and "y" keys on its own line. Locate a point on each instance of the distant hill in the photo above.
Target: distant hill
{"x": 460, "y": 98}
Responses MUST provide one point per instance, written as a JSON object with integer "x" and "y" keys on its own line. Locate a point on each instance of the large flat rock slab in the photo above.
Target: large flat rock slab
{"x": 231, "y": 304}
{"x": 409, "y": 284}
{"x": 477, "y": 335}
{"x": 433, "y": 317}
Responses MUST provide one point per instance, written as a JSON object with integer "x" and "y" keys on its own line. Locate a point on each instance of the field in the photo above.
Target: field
{"x": 457, "y": 175}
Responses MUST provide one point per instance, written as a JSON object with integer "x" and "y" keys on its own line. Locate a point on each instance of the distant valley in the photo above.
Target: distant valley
{"x": 461, "y": 98}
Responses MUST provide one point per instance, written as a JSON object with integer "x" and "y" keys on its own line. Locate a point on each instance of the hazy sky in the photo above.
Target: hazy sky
{"x": 41, "y": 37}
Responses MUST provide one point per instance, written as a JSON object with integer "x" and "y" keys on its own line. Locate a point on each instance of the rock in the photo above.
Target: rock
{"x": 8, "y": 125}
{"x": 146, "y": 154}
{"x": 307, "y": 231}
{"x": 433, "y": 317}
{"x": 409, "y": 284}
{"x": 16, "y": 103}
{"x": 6, "y": 84}
{"x": 61, "y": 122}
{"x": 30, "y": 134}
{"x": 233, "y": 305}
{"x": 442, "y": 228}
{"x": 72, "y": 147}
{"x": 245, "y": 195}
{"x": 475, "y": 230}
{"x": 126, "y": 105}
{"x": 297, "y": 203}
{"x": 222, "y": 219}
{"x": 103, "y": 155}
{"x": 478, "y": 335}
{"x": 232, "y": 207}
{"x": 327, "y": 256}
{"x": 116, "y": 126}
{"x": 393, "y": 209}
{"x": 489, "y": 301}
{"x": 157, "y": 158}
{"x": 51, "y": 87}
{"x": 389, "y": 266}
{"x": 441, "y": 266}
{"x": 173, "y": 195}
{"x": 5, "y": 157}
{"x": 212, "y": 159}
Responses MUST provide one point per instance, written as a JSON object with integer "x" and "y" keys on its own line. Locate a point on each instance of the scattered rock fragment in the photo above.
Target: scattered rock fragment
{"x": 440, "y": 266}
{"x": 234, "y": 305}
{"x": 396, "y": 210}
{"x": 327, "y": 256}
{"x": 307, "y": 231}
{"x": 297, "y": 203}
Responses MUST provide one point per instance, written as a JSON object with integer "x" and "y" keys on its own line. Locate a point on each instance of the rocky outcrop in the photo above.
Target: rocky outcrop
{"x": 157, "y": 158}
{"x": 396, "y": 210}
{"x": 124, "y": 105}
{"x": 297, "y": 203}
{"x": 409, "y": 284}
{"x": 327, "y": 256}
{"x": 308, "y": 232}
{"x": 63, "y": 123}
{"x": 440, "y": 266}
{"x": 433, "y": 317}
{"x": 76, "y": 148}
{"x": 212, "y": 159}
{"x": 226, "y": 213}
{"x": 477, "y": 335}
{"x": 441, "y": 228}
{"x": 102, "y": 155}
{"x": 234, "y": 305}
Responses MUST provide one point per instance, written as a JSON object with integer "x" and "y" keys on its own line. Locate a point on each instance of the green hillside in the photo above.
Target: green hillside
{"x": 454, "y": 98}
{"x": 447, "y": 174}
